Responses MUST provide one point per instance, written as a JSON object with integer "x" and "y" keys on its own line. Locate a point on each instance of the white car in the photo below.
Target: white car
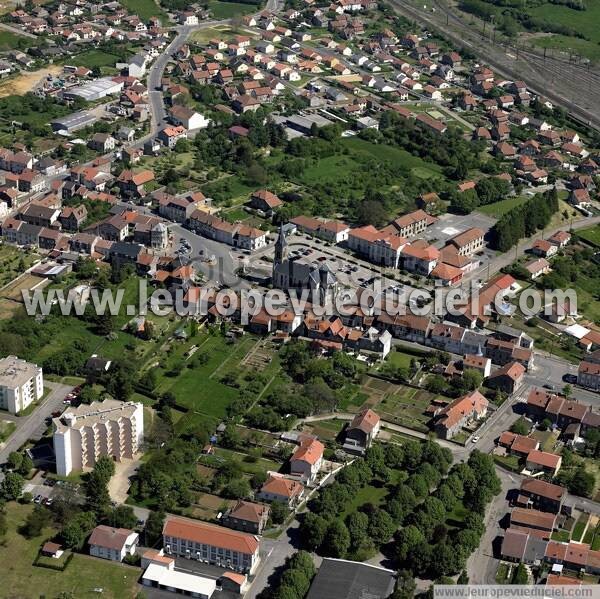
{"x": 474, "y": 439}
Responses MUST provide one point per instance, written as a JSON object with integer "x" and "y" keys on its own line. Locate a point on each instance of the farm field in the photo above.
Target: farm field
{"x": 145, "y": 9}
{"x": 82, "y": 575}
{"x": 227, "y": 10}
{"x": 398, "y": 403}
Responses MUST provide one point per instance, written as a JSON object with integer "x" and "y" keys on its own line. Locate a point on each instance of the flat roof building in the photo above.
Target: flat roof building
{"x": 83, "y": 434}
{"x": 21, "y": 383}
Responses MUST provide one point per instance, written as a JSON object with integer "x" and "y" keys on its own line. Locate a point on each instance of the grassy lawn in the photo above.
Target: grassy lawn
{"x": 145, "y": 9}
{"x": 565, "y": 43}
{"x": 503, "y": 573}
{"x": 250, "y": 464}
{"x": 510, "y": 462}
{"x": 7, "y": 428}
{"x": 498, "y": 209}
{"x": 419, "y": 167}
{"x": 95, "y": 58}
{"x": 326, "y": 430}
{"x": 82, "y": 576}
{"x": 10, "y": 40}
{"x": 591, "y": 235}
{"x": 227, "y": 10}
{"x": 400, "y": 359}
{"x": 579, "y": 527}
{"x": 13, "y": 262}
{"x": 400, "y": 404}
{"x": 562, "y": 536}
{"x": 199, "y": 388}
{"x": 583, "y": 21}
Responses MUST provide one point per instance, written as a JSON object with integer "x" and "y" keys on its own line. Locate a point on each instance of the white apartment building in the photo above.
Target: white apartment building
{"x": 21, "y": 383}
{"x": 83, "y": 434}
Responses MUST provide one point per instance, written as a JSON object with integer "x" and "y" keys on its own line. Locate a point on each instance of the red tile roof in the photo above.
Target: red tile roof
{"x": 210, "y": 534}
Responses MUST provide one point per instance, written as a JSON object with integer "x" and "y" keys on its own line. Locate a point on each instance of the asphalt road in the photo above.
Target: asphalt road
{"x": 33, "y": 426}
{"x": 482, "y": 565}
{"x": 277, "y": 551}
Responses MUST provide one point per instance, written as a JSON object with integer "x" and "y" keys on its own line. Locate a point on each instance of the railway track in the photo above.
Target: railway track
{"x": 571, "y": 86}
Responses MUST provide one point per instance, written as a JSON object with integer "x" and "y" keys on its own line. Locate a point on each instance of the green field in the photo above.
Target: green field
{"x": 10, "y": 41}
{"x": 591, "y": 235}
{"x": 583, "y": 21}
{"x": 145, "y": 9}
{"x": 82, "y": 576}
{"x": 227, "y": 10}
{"x": 95, "y": 58}
{"x": 498, "y": 209}
{"x": 419, "y": 167}
{"x": 565, "y": 43}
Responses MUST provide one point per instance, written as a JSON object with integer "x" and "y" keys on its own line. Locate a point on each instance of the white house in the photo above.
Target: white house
{"x": 111, "y": 543}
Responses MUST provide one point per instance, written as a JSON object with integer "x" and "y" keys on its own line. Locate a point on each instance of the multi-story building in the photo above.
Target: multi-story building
{"x": 412, "y": 224}
{"x": 468, "y": 242}
{"x": 247, "y": 517}
{"x": 21, "y": 383}
{"x": 83, "y": 434}
{"x": 588, "y": 375}
{"x": 210, "y": 543}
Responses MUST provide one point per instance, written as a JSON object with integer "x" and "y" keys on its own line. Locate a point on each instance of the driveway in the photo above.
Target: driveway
{"x": 119, "y": 484}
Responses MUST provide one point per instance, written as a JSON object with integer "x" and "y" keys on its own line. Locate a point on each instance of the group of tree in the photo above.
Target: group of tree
{"x": 575, "y": 476}
{"x": 450, "y": 150}
{"x": 408, "y": 473}
{"x": 487, "y": 191}
{"x": 524, "y": 220}
{"x": 318, "y": 387}
{"x": 293, "y": 581}
{"x": 434, "y": 543}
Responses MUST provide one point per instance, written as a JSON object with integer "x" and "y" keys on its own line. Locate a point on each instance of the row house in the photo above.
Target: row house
{"x": 234, "y": 234}
{"x": 212, "y": 544}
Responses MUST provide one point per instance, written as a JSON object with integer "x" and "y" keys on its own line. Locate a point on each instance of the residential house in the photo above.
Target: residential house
{"x": 278, "y": 488}
{"x": 543, "y": 462}
{"x": 247, "y": 517}
{"x": 508, "y": 378}
{"x": 132, "y": 184}
{"x": 306, "y": 461}
{"x": 111, "y": 543}
{"x": 541, "y": 495}
{"x": 588, "y": 375}
{"x": 454, "y": 416}
{"x": 361, "y": 432}
{"x": 71, "y": 218}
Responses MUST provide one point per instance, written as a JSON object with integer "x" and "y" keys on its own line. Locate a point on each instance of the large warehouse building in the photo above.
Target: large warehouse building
{"x": 94, "y": 90}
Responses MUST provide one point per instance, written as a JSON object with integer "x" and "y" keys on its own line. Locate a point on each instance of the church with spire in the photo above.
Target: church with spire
{"x": 298, "y": 274}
